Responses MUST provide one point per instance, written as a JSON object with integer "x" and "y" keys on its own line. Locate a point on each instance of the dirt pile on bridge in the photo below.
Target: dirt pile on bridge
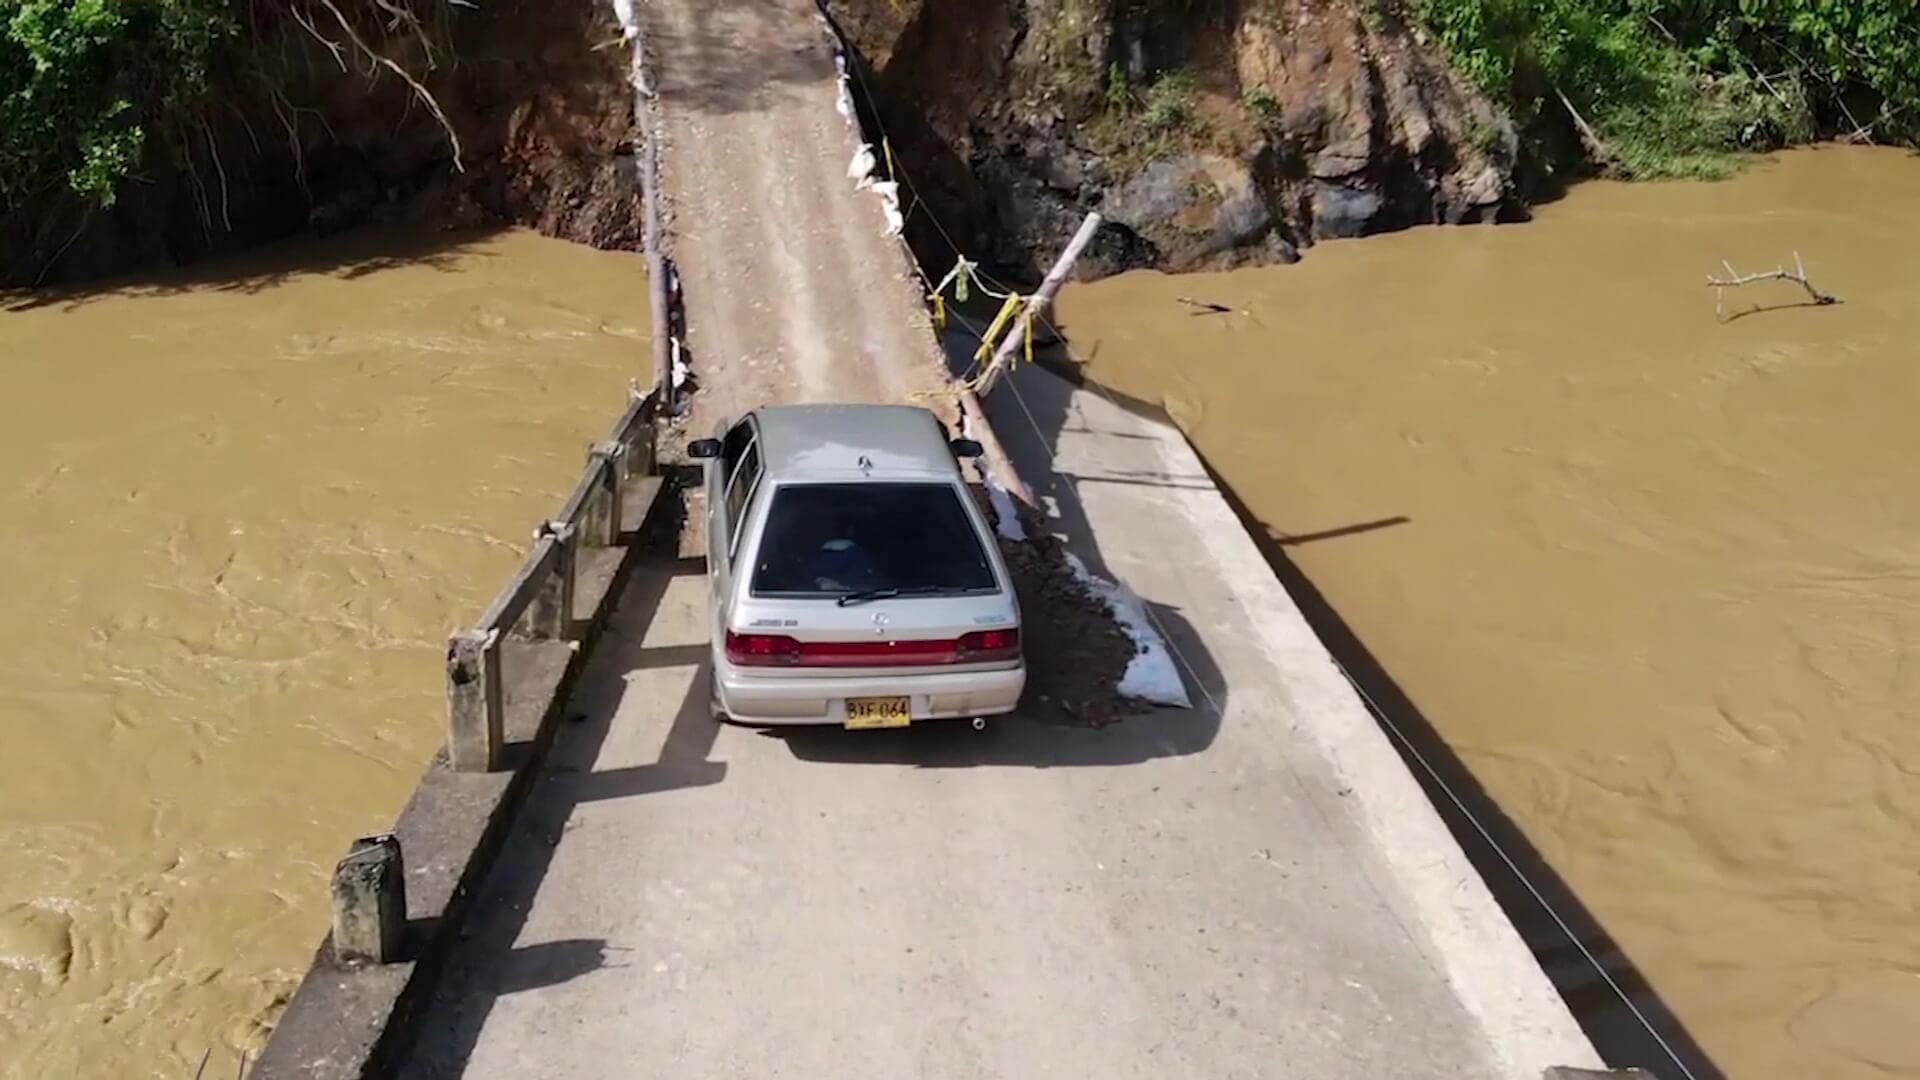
{"x": 1210, "y": 133}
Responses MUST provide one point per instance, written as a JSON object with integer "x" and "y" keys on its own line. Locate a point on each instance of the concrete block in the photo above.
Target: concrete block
{"x": 369, "y": 895}
{"x": 600, "y": 525}
{"x": 551, "y": 614}
{"x": 476, "y": 708}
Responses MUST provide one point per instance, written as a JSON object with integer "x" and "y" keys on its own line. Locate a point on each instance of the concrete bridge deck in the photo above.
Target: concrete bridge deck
{"x": 1254, "y": 887}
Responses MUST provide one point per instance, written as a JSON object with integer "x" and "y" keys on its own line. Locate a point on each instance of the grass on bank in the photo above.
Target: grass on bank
{"x": 1675, "y": 88}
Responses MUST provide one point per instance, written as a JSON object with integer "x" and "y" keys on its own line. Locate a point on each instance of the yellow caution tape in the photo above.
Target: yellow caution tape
{"x": 999, "y": 323}
{"x": 1029, "y": 339}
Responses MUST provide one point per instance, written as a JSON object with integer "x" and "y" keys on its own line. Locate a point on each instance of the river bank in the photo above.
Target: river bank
{"x": 1649, "y": 574}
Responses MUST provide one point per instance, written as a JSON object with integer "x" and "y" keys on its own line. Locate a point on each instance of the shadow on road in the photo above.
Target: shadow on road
{"x": 1551, "y": 919}
{"x": 489, "y": 965}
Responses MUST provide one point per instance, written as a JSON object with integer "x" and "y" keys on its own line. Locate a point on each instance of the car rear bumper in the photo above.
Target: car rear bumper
{"x": 780, "y": 699}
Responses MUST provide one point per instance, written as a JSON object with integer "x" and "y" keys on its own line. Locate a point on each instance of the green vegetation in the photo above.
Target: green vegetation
{"x": 93, "y": 91}
{"x": 1261, "y": 103}
{"x": 84, "y": 83}
{"x": 1158, "y": 119}
{"x": 1169, "y": 101}
{"x": 1671, "y": 87}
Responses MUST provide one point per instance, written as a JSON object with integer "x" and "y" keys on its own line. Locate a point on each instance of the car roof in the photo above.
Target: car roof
{"x": 818, "y": 442}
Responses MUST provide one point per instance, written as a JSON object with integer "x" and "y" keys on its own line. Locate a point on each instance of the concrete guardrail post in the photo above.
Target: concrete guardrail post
{"x": 551, "y": 613}
{"x": 369, "y": 894}
{"x": 641, "y": 452}
{"x": 605, "y": 525}
{"x": 475, "y": 706}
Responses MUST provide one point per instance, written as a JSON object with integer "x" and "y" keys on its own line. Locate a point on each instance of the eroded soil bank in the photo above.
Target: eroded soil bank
{"x": 537, "y": 94}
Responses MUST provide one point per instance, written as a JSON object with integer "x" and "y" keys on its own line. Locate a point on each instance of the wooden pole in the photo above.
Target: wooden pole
{"x": 997, "y": 458}
{"x": 1055, "y": 278}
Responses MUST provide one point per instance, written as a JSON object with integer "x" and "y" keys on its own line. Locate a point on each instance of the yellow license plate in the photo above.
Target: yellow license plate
{"x": 879, "y": 712}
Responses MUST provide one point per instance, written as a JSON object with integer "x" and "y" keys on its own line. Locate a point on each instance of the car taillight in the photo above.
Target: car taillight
{"x": 761, "y": 650}
{"x": 988, "y": 645}
{"x": 778, "y": 650}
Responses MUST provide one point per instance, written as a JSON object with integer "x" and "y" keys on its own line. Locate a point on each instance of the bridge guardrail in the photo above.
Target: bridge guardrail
{"x": 537, "y": 604}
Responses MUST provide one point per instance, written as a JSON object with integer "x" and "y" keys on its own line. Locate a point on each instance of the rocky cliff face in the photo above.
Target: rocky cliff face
{"x": 1210, "y": 132}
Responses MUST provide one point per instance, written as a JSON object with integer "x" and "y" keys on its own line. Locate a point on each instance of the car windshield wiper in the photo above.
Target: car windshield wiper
{"x": 890, "y": 592}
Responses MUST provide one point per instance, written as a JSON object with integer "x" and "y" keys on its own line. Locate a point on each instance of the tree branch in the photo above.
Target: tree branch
{"x": 1735, "y": 279}
{"x": 426, "y": 96}
{"x": 334, "y": 47}
{"x": 1597, "y": 147}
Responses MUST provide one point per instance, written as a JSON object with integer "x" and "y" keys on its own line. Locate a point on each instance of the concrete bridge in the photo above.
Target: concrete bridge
{"x": 601, "y": 881}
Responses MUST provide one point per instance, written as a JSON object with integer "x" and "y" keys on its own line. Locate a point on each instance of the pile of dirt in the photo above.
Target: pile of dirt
{"x": 1076, "y": 650}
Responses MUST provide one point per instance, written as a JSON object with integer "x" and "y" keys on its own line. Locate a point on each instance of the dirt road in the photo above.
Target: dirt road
{"x": 793, "y": 290}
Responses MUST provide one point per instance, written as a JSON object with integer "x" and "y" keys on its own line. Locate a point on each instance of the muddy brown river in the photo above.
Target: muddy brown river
{"x": 242, "y": 510}
{"x": 1654, "y": 577}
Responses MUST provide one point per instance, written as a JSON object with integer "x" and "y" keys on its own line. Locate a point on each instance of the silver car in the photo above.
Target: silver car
{"x": 854, "y": 580}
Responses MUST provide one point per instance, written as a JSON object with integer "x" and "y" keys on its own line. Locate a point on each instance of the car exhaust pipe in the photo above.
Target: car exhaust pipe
{"x": 979, "y": 723}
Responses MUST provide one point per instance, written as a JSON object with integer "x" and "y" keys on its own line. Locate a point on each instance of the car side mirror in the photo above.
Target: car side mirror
{"x": 966, "y": 448}
{"x": 703, "y": 448}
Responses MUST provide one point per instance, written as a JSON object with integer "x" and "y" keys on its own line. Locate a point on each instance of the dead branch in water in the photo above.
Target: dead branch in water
{"x": 1205, "y": 307}
{"x": 1735, "y": 279}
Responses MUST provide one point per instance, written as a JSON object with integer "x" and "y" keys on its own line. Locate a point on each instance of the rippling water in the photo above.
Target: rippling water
{"x": 242, "y": 508}
{"x": 1659, "y": 577}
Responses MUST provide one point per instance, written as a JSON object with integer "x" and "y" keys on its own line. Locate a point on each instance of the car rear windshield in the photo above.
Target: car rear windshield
{"x": 835, "y": 539}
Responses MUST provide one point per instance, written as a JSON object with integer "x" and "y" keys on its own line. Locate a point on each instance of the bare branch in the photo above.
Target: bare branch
{"x": 213, "y": 151}
{"x": 334, "y": 47}
{"x": 1735, "y": 279}
{"x": 291, "y": 121}
{"x": 1597, "y": 147}
{"x": 426, "y": 96}
{"x": 252, "y": 135}
{"x": 198, "y": 186}
{"x": 1204, "y": 307}
{"x": 85, "y": 219}
{"x": 406, "y": 18}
